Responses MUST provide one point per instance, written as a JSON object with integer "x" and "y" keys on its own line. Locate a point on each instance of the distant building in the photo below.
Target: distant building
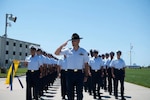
{"x": 13, "y": 49}
{"x": 133, "y": 66}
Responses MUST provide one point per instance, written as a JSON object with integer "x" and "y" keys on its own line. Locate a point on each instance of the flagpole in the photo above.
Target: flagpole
{"x": 11, "y": 77}
{"x": 131, "y": 54}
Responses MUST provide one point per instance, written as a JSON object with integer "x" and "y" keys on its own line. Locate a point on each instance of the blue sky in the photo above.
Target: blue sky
{"x": 105, "y": 25}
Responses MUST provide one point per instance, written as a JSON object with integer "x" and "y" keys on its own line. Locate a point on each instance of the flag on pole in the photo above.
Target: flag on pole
{"x": 12, "y": 71}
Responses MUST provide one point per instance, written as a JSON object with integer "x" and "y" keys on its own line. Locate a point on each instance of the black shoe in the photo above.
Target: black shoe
{"x": 110, "y": 93}
{"x": 41, "y": 93}
{"x": 63, "y": 97}
{"x": 116, "y": 97}
{"x": 99, "y": 97}
{"x": 90, "y": 93}
{"x": 94, "y": 97}
{"x": 105, "y": 89}
{"x": 85, "y": 90}
{"x": 123, "y": 98}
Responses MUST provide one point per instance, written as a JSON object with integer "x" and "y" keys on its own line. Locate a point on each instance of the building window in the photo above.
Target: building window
{"x": 26, "y": 46}
{"x": 7, "y": 52}
{"x": 26, "y": 54}
{"x": 14, "y": 53}
{"x": 6, "y": 61}
{"x": 20, "y": 45}
{"x": 14, "y": 44}
{"x": 7, "y": 43}
{"x": 20, "y": 53}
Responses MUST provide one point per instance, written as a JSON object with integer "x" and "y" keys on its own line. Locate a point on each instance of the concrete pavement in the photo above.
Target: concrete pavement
{"x": 132, "y": 92}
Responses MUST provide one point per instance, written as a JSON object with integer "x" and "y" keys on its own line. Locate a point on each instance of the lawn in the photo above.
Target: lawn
{"x": 138, "y": 76}
{"x": 20, "y": 71}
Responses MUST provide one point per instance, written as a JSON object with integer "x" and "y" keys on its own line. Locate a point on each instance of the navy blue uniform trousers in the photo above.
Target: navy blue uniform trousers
{"x": 63, "y": 83}
{"x": 119, "y": 75}
{"x": 97, "y": 82}
{"x": 32, "y": 80}
{"x": 75, "y": 80}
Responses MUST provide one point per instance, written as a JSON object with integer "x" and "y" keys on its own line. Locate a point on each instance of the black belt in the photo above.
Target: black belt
{"x": 64, "y": 70}
{"x": 118, "y": 69}
{"x": 95, "y": 70}
{"x": 75, "y": 70}
{"x": 32, "y": 71}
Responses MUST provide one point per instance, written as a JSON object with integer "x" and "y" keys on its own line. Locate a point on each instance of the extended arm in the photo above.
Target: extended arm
{"x": 58, "y": 50}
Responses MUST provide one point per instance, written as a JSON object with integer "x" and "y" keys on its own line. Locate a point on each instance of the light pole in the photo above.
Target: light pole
{"x": 131, "y": 47}
{"x": 11, "y": 18}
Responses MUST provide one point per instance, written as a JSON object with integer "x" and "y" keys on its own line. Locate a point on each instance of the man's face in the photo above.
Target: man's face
{"x": 118, "y": 55}
{"x": 103, "y": 56}
{"x": 32, "y": 51}
{"x": 107, "y": 56}
{"x": 39, "y": 52}
{"x": 95, "y": 54}
{"x": 75, "y": 42}
{"x": 111, "y": 55}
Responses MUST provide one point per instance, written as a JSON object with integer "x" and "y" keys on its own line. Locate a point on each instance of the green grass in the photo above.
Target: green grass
{"x": 20, "y": 71}
{"x": 2, "y": 75}
{"x": 138, "y": 76}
